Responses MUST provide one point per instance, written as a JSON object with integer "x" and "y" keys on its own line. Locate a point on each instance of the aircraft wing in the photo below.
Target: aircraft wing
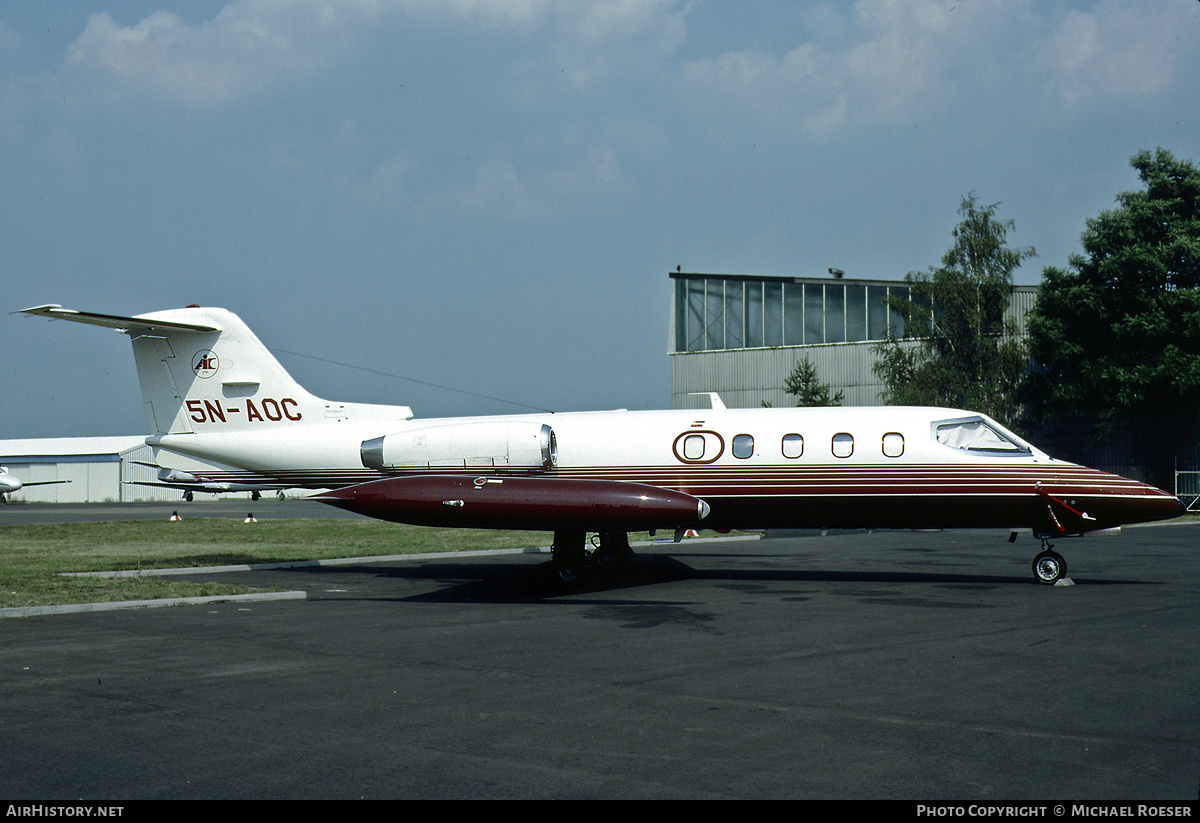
{"x": 112, "y": 321}
{"x": 189, "y": 481}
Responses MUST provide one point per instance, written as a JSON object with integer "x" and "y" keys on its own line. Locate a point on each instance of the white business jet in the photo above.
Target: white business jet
{"x": 219, "y": 405}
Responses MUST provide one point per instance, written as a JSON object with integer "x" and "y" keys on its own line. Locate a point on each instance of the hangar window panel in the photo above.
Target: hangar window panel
{"x": 695, "y": 315}
{"x": 793, "y": 314}
{"x": 877, "y": 312}
{"x": 734, "y": 335}
{"x": 743, "y": 446}
{"x": 893, "y": 444}
{"x": 922, "y": 303}
{"x": 714, "y": 315}
{"x": 835, "y": 314}
{"x": 793, "y": 446}
{"x": 773, "y": 314}
{"x": 895, "y": 320}
{"x": 856, "y": 313}
{"x": 843, "y": 445}
{"x": 681, "y": 338}
{"x": 754, "y": 315}
{"x": 814, "y": 315}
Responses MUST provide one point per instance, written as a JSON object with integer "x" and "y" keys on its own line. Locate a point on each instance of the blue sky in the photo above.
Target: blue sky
{"x": 489, "y": 195}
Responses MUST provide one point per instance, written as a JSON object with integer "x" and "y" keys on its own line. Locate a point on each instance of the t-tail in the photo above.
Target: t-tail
{"x": 203, "y": 371}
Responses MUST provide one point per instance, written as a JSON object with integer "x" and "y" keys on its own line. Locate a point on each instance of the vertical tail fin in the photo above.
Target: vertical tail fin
{"x": 202, "y": 369}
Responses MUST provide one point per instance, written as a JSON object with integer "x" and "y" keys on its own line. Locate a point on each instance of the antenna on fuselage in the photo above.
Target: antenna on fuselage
{"x": 713, "y": 398}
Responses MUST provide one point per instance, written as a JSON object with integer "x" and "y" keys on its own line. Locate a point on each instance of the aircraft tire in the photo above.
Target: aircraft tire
{"x": 567, "y": 574}
{"x": 605, "y": 559}
{"x": 613, "y": 553}
{"x": 569, "y": 556}
{"x": 1049, "y": 567}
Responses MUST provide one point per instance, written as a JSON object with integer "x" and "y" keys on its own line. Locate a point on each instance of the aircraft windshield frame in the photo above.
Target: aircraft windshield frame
{"x": 979, "y": 435}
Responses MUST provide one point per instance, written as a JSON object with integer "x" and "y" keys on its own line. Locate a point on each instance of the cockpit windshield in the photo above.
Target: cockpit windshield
{"x": 976, "y": 435}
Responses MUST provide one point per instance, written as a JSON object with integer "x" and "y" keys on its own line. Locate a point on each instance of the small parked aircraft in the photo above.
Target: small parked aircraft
{"x": 220, "y": 405}
{"x": 190, "y": 484}
{"x": 10, "y": 483}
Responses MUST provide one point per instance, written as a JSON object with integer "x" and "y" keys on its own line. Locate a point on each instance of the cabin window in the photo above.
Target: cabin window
{"x": 893, "y": 444}
{"x": 976, "y": 435}
{"x": 843, "y": 445}
{"x": 793, "y": 445}
{"x": 743, "y": 446}
{"x": 693, "y": 447}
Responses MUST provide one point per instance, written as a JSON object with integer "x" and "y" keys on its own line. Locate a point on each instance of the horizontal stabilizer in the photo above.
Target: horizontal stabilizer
{"x": 112, "y": 321}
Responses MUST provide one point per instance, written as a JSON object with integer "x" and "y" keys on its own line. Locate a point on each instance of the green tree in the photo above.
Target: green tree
{"x": 1115, "y": 337}
{"x": 808, "y": 390}
{"x": 959, "y": 351}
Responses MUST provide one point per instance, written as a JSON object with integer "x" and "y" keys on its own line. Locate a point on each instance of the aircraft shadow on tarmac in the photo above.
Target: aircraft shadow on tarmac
{"x": 506, "y": 582}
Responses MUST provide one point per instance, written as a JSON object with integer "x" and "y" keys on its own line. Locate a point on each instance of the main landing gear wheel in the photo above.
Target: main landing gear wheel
{"x": 613, "y": 552}
{"x": 567, "y": 574}
{"x": 1049, "y": 567}
{"x": 568, "y": 555}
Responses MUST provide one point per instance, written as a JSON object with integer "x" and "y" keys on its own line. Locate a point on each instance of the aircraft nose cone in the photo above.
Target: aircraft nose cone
{"x": 1160, "y": 505}
{"x": 702, "y": 510}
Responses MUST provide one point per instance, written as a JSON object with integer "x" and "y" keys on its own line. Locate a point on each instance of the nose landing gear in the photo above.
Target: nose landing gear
{"x": 1049, "y": 566}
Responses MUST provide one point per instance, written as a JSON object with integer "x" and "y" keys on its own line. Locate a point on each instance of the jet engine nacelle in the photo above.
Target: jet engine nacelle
{"x": 478, "y": 445}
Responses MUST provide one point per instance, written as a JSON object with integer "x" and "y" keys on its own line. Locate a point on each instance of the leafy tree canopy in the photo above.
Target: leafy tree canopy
{"x": 1116, "y": 336}
{"x": 959, "y": 352}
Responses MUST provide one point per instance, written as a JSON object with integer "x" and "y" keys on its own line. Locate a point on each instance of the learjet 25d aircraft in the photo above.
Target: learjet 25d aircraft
{"x": 220, "y": 406}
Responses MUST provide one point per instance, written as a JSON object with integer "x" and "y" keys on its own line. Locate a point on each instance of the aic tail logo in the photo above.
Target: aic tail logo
{"x": 204, "y": 363}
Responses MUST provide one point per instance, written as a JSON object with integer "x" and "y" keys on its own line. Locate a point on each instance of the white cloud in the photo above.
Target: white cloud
{"x": 1119, "y": 49}
{"x": 386, "y": 185}
{"x": 9, "y": 39}
{"x": 886, "y": 61}
{"x": 252, "y": 44}
{"x": 606, "y": 36}
{"x": 249, "y": 44}
{"x": 891, "y": 59}
{"x": 498, "y": 189}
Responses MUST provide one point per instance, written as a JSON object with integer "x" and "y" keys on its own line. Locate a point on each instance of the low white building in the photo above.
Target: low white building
{"x": 100, "y": 469}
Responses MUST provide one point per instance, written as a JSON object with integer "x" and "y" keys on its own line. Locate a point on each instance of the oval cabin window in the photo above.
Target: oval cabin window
{"x": 693, "y": 447}
{"x": 843, "y": 445}
{"x": 743, "y": 446}
{"x": 793, "y": 446}
{"x": 698, "y": 447}
{"x": 893, "y": 444}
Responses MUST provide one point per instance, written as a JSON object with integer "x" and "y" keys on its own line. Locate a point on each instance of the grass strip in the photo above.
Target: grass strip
{"x": 34, "y": 557}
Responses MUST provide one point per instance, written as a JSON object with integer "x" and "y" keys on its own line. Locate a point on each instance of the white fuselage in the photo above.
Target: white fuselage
{"x": 220, "y": 406}
{"x": 756, "y": 468}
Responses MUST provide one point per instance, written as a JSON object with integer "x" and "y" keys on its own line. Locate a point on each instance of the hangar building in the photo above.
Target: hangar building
{"x": 742, "y": 335}
{"x": 100, "y": 469}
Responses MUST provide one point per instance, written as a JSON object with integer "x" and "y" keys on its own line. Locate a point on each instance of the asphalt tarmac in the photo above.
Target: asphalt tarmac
{"x": 891, "y": 665}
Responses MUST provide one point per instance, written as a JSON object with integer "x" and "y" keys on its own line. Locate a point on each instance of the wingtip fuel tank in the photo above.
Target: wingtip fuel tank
{"x": 514, "y": 502}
